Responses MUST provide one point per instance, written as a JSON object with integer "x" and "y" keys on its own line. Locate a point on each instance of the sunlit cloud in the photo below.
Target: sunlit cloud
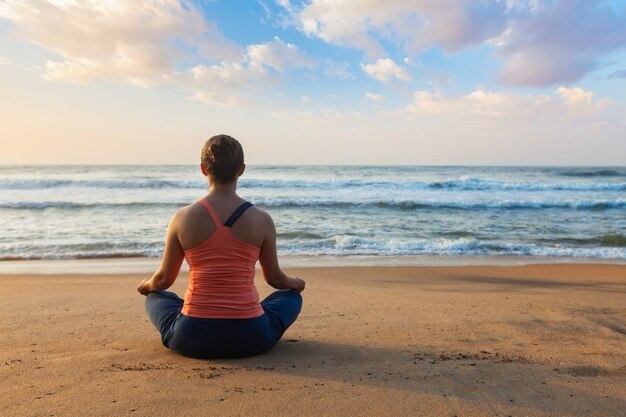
{"x": 386, "y": 70}
{"x": 561, "y": 42}
{"x": 242, "y": 83}
{"x": 571, "y": 105}
{"x": 539, "y": 43}
{"x": 279, "y": 55}
{"x": 581, "y": 103}
{"x": 578, "y": 97}
{"x": 225, "y": 84}
{"x": 417, "y": 25}
{"x": 137, "y": 42}
{"x": 145, "y": 42}
{"x": 478, "y": 103}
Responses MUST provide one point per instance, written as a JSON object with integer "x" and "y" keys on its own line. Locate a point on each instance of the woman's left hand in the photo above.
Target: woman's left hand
{"x": 143, "y": 288}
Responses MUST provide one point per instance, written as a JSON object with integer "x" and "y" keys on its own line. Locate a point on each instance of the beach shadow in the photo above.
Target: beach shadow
{"x": 612, "y": 323}
{"x": 469, "y": 375}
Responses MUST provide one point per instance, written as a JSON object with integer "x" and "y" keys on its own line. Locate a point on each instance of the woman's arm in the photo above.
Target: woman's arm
{"x": 170, "y": 265}
{"x": 274, "y": 276}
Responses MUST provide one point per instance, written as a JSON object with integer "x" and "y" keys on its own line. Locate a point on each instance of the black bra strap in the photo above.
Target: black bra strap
{"x": 233, "y": 217}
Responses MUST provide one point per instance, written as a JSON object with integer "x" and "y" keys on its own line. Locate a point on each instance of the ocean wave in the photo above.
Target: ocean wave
{"x": 453, "y": 205}
{"x": 340, "y": 245}
{"x": 81, "y": 255}
{"x": 375, "y": 203}
{"x": 36, "y": 184}
{"x": 354, "y": 245}
{"x": 609, "y": 240}
{"x": 592, "y": 172}
{"x": 463, "y": 183}
{"x": 43, "y": 205}
{"x": 487, "y": 184}
{"x": 299, "y": 235}
{"x": 89, "y": 249}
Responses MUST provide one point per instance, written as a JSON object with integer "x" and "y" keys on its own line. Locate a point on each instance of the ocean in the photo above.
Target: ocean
{"x": 72, "y": 212}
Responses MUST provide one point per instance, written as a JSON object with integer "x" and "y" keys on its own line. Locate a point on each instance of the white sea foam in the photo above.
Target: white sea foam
{"x": 463, "y": 183}
{"x": 354, "y": 245}
{"x": 339, "y": 245}
{"x": 619, "y": 203}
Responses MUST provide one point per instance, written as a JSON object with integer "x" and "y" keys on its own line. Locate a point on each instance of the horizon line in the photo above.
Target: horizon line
{"x": 317, "y": 165}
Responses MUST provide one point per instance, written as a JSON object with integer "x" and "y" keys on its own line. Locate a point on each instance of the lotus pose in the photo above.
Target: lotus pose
{"x": 221, "y": 236}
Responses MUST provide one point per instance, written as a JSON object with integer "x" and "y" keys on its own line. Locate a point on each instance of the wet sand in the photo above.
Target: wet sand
{"x": 536, "y": 340}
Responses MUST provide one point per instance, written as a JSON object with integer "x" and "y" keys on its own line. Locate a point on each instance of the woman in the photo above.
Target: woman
{"x": 221, "y": 236}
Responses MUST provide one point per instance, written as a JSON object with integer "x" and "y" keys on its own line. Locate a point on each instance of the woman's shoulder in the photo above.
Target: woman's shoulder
{"x": 187, "y": 213}
{"x": 260, "y": 215}
{"x": 188, "y": 209}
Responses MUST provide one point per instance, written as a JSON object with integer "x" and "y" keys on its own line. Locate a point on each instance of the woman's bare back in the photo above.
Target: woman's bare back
{"x": 194, "y": 225}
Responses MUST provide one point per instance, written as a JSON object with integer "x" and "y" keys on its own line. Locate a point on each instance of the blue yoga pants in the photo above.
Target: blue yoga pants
{"x": 222, "y": 338}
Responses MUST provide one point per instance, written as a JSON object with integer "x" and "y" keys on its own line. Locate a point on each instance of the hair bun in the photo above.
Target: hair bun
{"x": 221, "y": 152}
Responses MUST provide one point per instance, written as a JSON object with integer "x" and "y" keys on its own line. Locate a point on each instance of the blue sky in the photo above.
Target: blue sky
{"x": 317, "y": 81}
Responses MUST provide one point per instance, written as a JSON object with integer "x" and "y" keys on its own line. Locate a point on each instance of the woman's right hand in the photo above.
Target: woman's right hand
{"x": 298, "y": 284}
{"x": 143, "y": 287}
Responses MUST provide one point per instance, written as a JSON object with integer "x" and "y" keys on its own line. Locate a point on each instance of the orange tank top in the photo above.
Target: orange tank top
{"x": 221, "y": 275}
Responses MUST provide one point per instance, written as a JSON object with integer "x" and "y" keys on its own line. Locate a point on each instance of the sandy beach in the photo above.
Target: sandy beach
{"x": 536, "y": 340}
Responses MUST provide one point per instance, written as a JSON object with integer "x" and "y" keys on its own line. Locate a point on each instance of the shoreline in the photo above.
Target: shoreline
{"x": 143, "y": 265}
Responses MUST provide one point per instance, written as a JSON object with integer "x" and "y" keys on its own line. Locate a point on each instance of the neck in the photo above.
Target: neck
{"x": 223, "y": 189}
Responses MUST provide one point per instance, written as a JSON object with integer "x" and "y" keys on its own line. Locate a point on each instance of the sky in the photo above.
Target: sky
{"x": 424, "y": 82}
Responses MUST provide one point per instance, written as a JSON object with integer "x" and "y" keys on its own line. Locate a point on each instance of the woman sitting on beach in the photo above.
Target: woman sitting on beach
{"x": 221, "y": 236}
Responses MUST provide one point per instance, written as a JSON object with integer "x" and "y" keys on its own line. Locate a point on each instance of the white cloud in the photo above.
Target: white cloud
{"x": 507, "y": 107}
{"x": 540, "y": 43}
{"x": 502, "y": 39}
{"x": 305, "y": 99}
{"x": 476, "y": 104}
{"x": 576, "y": 96}
{"x": 416, "y": 25}
{"x": 338, "y": 70}
{"x": 242, "y": 83}
{"x": 284, "y": 4}
{"x": 377, "y": 98}
{"x": 137, "y": 42}
{"x": 150, "y": 42}
{"x": 279, "y": 55}
{"x": 580, "y": 102}
{"x": 560, "y": 42}
{"x": 481, "y": 127}
{"x": 385, "y": 70}
{"x": 225, "y": 84}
